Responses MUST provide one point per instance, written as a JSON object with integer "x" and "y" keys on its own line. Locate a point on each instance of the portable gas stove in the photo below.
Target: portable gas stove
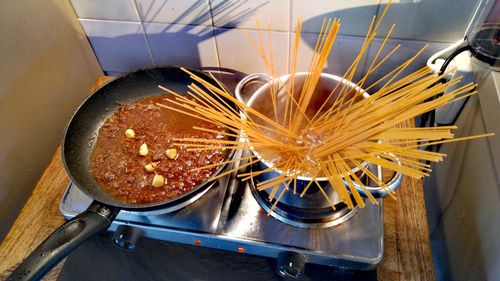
{"x": 230, "y": 216}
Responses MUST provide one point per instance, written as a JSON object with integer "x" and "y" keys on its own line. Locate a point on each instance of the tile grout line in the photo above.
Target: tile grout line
{"x": 144, "y": 32}
{"x": 367, "y": 56}
{"x": 216, "y": 45}
{"x": 289, "y": 35}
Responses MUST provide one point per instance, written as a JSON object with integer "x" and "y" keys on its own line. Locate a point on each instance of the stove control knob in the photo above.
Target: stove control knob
{"x": 126, "y": 237}
{"x": 291, "y": 264}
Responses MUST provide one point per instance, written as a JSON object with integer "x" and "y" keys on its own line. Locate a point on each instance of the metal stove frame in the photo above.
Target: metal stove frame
{"x": 228, "y": 217}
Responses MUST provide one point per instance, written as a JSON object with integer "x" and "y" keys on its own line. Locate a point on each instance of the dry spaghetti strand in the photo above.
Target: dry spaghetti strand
{"x": 304, "y": 134}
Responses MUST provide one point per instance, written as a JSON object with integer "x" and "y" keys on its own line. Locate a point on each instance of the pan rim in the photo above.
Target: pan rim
{"x": 202, "y": 187}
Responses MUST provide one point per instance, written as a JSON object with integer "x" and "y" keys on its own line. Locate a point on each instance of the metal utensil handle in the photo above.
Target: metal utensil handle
{"x": 381, "y": 192}
{"x": 245, "y": 80}
{"x": 62, "y": 241}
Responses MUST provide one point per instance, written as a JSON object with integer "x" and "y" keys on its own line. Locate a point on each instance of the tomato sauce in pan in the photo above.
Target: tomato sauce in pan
{"x": 119, "y": 168}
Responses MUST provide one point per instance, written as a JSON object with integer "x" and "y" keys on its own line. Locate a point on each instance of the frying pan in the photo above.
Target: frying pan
{"x": 77, "y": 147}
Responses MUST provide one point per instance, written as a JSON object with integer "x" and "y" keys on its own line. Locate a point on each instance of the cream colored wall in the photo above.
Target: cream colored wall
{"x": 463, "y": 193}
{"x": 46, "y": 69}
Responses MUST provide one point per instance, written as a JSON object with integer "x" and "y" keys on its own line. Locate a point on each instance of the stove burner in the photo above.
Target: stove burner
{"x": 228, "y": 217}
{"x": 304, "y": 217}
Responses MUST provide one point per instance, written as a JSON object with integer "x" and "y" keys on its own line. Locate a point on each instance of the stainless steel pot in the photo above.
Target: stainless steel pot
{"x": 313, "y": 198}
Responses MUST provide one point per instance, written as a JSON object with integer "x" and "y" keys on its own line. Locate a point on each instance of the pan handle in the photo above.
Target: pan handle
{"x": 97, "y": 218}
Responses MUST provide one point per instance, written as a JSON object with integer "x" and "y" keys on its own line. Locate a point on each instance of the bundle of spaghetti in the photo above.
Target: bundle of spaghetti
{"x": 349, "y": 130}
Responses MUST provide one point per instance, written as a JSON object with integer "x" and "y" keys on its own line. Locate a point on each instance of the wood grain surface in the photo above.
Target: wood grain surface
{"x": 40, "y": 215}
{"x": 407, "y": 254}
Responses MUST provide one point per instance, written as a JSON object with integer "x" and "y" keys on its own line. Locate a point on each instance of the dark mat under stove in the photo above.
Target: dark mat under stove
{"x": 99, "y": 259}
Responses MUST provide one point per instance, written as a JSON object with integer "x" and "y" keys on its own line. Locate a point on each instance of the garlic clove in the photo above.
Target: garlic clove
{"x": 143, "y": 149}
{"x": 158, "y": 180}
{"x": 150, "y": 167}
{"x": 129, "y": 133}
{"x": 171, "y": 153}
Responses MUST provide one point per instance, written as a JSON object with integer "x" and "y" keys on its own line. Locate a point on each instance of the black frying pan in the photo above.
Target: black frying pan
{"x": 77, "y": 146}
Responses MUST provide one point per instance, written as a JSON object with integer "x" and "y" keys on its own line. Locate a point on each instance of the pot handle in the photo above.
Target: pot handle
{"x": 378, "y": 191}
{"x": 245, "y": 80}
{"x": 62, "y": 241}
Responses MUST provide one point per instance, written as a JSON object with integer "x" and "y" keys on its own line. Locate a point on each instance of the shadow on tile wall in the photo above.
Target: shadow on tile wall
{"x": 210, "y": 32}
{"x": 424, "y": 20}
{"x": 186, "y": 39}
{"x": 411, "y": 38}
{"x": 194, "y": 14}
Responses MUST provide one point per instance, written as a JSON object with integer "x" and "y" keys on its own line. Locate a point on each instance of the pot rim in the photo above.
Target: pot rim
{"x": 283, "y": 79}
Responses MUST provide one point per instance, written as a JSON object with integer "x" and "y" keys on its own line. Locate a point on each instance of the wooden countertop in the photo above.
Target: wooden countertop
{"x": 407, "y": 254}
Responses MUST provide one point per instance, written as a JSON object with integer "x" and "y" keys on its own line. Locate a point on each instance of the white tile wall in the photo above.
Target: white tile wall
{"x": 406, "y": 50}
{"x": 186, "y": 45}
{"x": 194, "y": 12}
{"x": 355, "y": 15}
{"x": 243, "y": 13}
{"x": 178, "y": 31}
{"x": 434, "y": 21}
{"x": 344, "y": 51}
{"x": 106, "y": 9}
{"x": 119, "y": 46}
{"x": 115, "y": 74}
{"x": 236, "y": 52}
